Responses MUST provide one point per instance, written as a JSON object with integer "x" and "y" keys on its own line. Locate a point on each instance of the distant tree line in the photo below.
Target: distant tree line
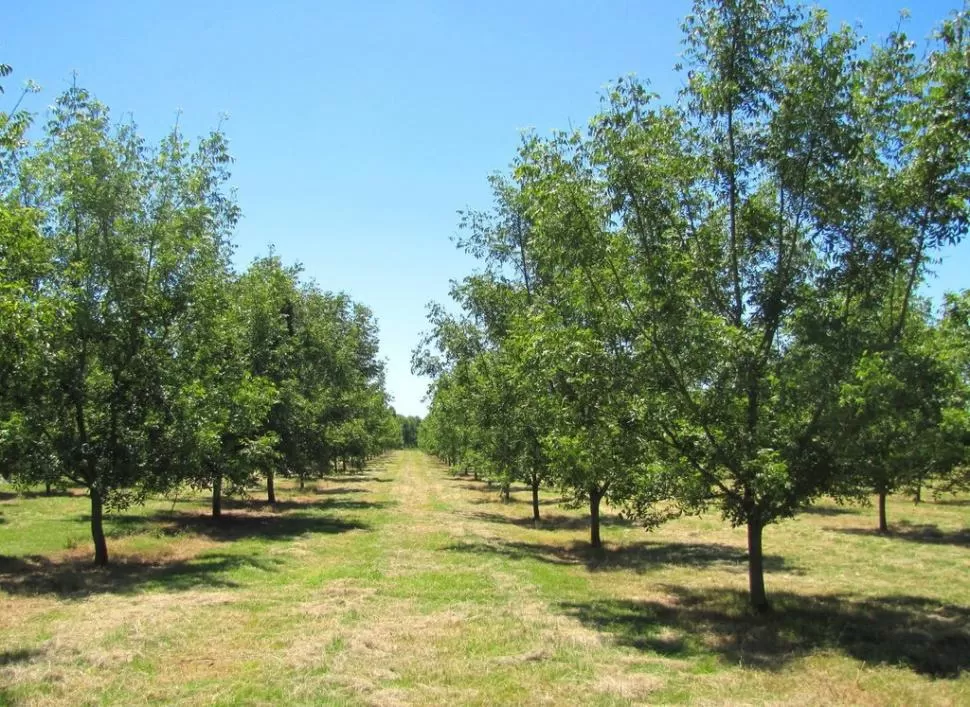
{"x": 133, "y": 358}
{"x": 715, "y": 303}
{"x": 410, "y": 425}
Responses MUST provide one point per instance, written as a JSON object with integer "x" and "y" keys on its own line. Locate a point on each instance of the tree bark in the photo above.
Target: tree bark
{"x": 217, "y": 495}
{"x": 97, "y": 529}
{"x": 883, "y": 525}
{"x": 535, "y": 498}
{"x": 270, "y": 487}
{"x": 302, "y": 482}
{"x": 47, "y": 488}
{"x": 756, "y": 567}
{"x": 594, "y": 518}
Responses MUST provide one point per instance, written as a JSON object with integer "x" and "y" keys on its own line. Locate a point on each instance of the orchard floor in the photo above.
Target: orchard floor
{"x": 404, "y": 585}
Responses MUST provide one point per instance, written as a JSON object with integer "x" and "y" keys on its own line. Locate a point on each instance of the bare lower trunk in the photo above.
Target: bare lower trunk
{"x": 97, "y": 529}
{"x": 506, "y": 493}
{"x": 47, "y": 488}
{"x": 535, "y": 498}
{"x": 217, "y": 496}
{"x": 756, "y": 567}
{"x": 270, "y": 487}
{"x": 302, "y": 482}
{"x": 594, "y": 519}
{"x": 883, "y": 525}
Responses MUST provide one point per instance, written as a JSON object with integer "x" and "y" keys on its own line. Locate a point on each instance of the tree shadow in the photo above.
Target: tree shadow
{"x": 828, "y": 511}
{"x": 230, "y": 527}
{"x": 551, "y": 522}
{"x": 75, "y": 578}
{"x": 638, "y": 557}
{"x": 354, "y": 478}
{"x": 926, "y": 636}
{"x": 298, "y": 504}
{"x": 339, "y": 491}
{"x": 928, "y": 533}
{"x": 19, "y": 655}
{"x": 24, "y": 495}
{"x": 494, "y": 496}
{"x": 960, "y": 502}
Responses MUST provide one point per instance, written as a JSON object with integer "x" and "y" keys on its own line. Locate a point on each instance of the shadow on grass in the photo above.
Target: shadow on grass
{"x": 55, "y": 493}
{"x": 35, "y": 574}
{"x": 354, "y": 478}
{"x": 20, "y": 655}
{"x": 296, "y": 504}
{"x": 495, "y": 497}
{"x": 639, "y": 557}
{"x": 229, "y": 527}
{"x": 960, "y": 502}
{"x": 828, "y": 511}
{"x": 339, "y": 491}
{"x": 925, "y": 636}
{"x": 551, "y": 522}
{"x": 928, "y": 533}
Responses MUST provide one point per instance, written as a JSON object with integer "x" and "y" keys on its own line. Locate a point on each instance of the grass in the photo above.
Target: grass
{"x": 404, "y": 585}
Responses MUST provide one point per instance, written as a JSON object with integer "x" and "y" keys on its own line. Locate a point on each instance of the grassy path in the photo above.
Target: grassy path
{"x": 404, "y": 585}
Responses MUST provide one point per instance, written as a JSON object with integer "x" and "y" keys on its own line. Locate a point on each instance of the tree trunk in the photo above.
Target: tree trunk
{"x": 756, "y": 567}
{"x": 270, "y": 487}
{"x": 535, "y": 498}
{"x": 47, "y": 488}
{"x": 918, "y": 494}
{"x": 302, "y": 482}
{"x": 217, "y": 496}
{"x": 97, "y": 529}
{"x": 883, "y": 525}
{"x": 344, "y": 464}
{"x": 506, "y": 493}
{"x": 594, "y": 518}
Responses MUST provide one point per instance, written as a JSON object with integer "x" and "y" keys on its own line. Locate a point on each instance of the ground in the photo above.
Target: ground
{"x": 405, "y": 585}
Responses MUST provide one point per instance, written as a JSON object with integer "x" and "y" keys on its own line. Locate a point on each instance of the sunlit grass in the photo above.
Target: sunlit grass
{"x": 404, "y": 585}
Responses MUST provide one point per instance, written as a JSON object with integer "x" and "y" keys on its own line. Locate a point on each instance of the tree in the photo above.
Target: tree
{"x": 130, "y": 231}
{"x": 902, "y": 415}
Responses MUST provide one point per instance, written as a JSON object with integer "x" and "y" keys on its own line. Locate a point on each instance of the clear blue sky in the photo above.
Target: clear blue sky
{"x": 360, "y": 128}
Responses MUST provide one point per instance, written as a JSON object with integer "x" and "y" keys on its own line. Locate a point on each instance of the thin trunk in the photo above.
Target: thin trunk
{"x": 97, "y": 529}
{"x": 344, "y": 463}
{"x": 756, "y": 567}
{"x": 883, "y": 525}
{"x": 47, "y": 488}
{"x": 270, "y": 487}
{"x": 302, "y": 482}
{"x": 217, "y": 495}
{"x": 594, "y": 518}
{"x": 506, "y": 493}
{"x": 535, "y": 498}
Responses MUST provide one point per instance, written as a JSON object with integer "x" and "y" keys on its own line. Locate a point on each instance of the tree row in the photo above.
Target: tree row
{"x": 714, "y": 303}
{"x": 133, "y": 358}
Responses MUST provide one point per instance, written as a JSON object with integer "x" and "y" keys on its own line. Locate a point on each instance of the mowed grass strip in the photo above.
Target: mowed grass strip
{"x": 405, "y": 585}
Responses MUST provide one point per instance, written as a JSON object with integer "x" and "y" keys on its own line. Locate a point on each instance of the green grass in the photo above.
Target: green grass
{"x": 404, "y": 585}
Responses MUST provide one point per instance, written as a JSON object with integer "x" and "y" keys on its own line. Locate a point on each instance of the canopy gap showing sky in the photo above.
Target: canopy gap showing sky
{"x": 360, "y": 129}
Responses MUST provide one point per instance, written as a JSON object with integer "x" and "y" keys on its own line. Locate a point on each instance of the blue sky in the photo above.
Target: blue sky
{"x": 359, "y": 129}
